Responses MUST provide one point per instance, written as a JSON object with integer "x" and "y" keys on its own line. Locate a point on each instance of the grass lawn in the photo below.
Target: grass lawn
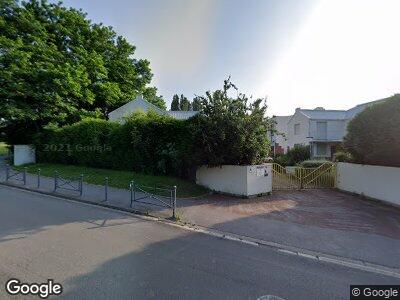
{"x": 3, "y": 148}
{"x": 117, "y": 178}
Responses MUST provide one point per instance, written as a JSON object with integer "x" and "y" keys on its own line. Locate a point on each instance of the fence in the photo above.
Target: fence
{"x": 157, "y": 195}
{"x": 290, "y": 178}
{"x": 19, "y": 176}
{"x": 161, "y": 200}
{"x": 74, "y": 184}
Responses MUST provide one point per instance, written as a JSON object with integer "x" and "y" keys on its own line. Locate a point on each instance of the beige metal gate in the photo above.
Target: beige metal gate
{"x": 294, "y": 178}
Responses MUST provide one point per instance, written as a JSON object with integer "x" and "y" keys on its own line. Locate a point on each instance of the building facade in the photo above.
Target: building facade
{"x": 323, "y": 130}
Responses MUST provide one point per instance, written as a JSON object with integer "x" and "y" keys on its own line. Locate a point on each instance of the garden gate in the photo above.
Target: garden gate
{"x": 295, "y": 178}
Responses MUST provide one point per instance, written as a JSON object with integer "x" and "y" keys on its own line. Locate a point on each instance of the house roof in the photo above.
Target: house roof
{"x": 182, "y": 115}
{"x": 141, "y": 104}
{"x": 317, "y": 114}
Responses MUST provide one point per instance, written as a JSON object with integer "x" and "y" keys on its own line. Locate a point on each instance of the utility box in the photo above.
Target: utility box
{"x": 24, "y": 154}
{"x": 247, "y": 181}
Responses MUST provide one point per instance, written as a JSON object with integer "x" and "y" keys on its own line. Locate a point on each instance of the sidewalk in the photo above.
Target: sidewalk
{"x": 116, "y": 198}
{"x": 326, "y": 221}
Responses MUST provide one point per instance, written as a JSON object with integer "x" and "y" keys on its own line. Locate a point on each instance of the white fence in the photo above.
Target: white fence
{"x": 237, "y": 180}
{"x": 377, "y": 182}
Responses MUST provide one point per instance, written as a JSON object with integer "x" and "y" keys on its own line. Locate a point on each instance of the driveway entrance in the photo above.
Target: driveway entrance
{"x": 297, "y": 178}
{"x": 323, "y": 220}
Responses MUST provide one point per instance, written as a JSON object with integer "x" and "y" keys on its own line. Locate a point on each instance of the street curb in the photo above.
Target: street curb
{"x": 284, "y": 249}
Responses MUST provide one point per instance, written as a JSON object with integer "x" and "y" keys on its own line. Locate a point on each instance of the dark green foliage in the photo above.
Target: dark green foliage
{"x": 231, "y": 130}
{"x": 184, "y": 104}
{"x": 58, "y": 67}
{"x": 175, "y": 103}
{"x": 227, "y": 131}
{"x": 150, "y": 95}
{"x": 342, "y": 156}
{"x": 373, "y": 136}
{"x": 298, "y": 154}
{"x": 146, "y": 143}
{"x": 282, "y": 160}
{"x": 196, "y": 104}
{"x": 294, "y": 156}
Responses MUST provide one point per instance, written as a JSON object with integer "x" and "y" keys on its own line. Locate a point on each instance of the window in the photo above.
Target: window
{"x": 321, "y": 130}
{"x": 321, "y": 149}
{"x": 296, "y": 129}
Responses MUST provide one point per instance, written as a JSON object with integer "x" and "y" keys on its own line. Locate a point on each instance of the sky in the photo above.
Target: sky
{"x": 295, "y": 53}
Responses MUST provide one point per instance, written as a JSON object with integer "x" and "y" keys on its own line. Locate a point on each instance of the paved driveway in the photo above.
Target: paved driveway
{"x": 101, "y": 254}
{"x": 328, "y": 221}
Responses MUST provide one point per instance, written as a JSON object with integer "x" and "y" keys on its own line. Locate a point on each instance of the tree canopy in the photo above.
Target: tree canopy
{"x": 175, "y": 103}
{"x": 57, "y": 67}
{"x": 232, "y": 130}
{"x": 373, "y": 135}
{"x": 184, "y": 104}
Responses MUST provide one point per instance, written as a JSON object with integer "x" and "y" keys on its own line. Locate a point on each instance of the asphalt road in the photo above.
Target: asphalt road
{"x": 101, "y": 254}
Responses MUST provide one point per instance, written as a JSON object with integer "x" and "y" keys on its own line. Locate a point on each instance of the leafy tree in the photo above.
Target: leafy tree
{"x": 373, "y": 135}
{"x": 184, "y": 104}
{"x": 150, "y": 94}
{"x": 175, "y": 103}
{"x": 196, "y": 104}
{"x": 58, "y": 67}
{"x": 231, "y": 130}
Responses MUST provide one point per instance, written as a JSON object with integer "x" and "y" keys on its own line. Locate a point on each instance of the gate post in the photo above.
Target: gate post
{"x": 174, "y": 204}
{"x": 7, "y": 172}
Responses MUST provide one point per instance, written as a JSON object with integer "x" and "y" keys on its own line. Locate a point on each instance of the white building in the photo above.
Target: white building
{"x": 322, "y": 129}
{"x": 140, "y": 104}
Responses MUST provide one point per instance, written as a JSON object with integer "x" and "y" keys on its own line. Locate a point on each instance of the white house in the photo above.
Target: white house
{"x": 322, "y": 129}
{"x": 140, "y": 104}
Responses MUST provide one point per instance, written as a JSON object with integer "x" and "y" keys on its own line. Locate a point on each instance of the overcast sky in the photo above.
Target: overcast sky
{"x": 304, "y": 53}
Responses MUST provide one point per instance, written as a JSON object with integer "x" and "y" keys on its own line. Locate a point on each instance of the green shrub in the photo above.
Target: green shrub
{"x": 146, "y": 142}
{"x": 282, "y": 160}
{"x": 342, "y": 156}
{"x": 374, "y": 134}
{"x": 227, "y": 131}
{"x": 313, "y": 163}
{"x": 298, "y": 154}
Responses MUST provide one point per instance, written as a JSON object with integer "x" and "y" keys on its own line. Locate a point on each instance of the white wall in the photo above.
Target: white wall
{"x": 301, "y": 138}
{"x": 24, "y": 154}
{"x": 237, "y": 180}
{"x": 377, "y": 182}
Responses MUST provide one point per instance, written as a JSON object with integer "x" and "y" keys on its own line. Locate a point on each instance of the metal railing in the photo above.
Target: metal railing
{"x": 168, "y": 201}
{"x": 71, "y": 184}
{"x": 19, "y": 176}
{"x": 157, "y": 195}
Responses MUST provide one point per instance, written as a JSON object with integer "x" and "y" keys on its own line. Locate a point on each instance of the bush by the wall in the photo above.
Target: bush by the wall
{"x": 226, "y": 131}
{"x": 146, "y": 142}
{"x": 342, "y": 156}
{"x": 282, "y": 160}
{"x": 374, "y": 134}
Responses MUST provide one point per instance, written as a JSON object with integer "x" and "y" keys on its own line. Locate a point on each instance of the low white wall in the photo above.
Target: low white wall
{"x": 237, "y": 180}
{"x": 377, "y": 182}
{"x": 24, "y": 154}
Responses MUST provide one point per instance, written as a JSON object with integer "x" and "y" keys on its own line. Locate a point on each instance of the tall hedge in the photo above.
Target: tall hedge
{"x": 146, "y": 142}
{"x": 374, "y": 134}
{"x": 228, "y": 130}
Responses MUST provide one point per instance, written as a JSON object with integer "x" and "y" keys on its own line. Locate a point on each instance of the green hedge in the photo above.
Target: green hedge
{"x": 374, "y": 134}
{"x": 145, "y": 143}
{"x": 148, "y": 143}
